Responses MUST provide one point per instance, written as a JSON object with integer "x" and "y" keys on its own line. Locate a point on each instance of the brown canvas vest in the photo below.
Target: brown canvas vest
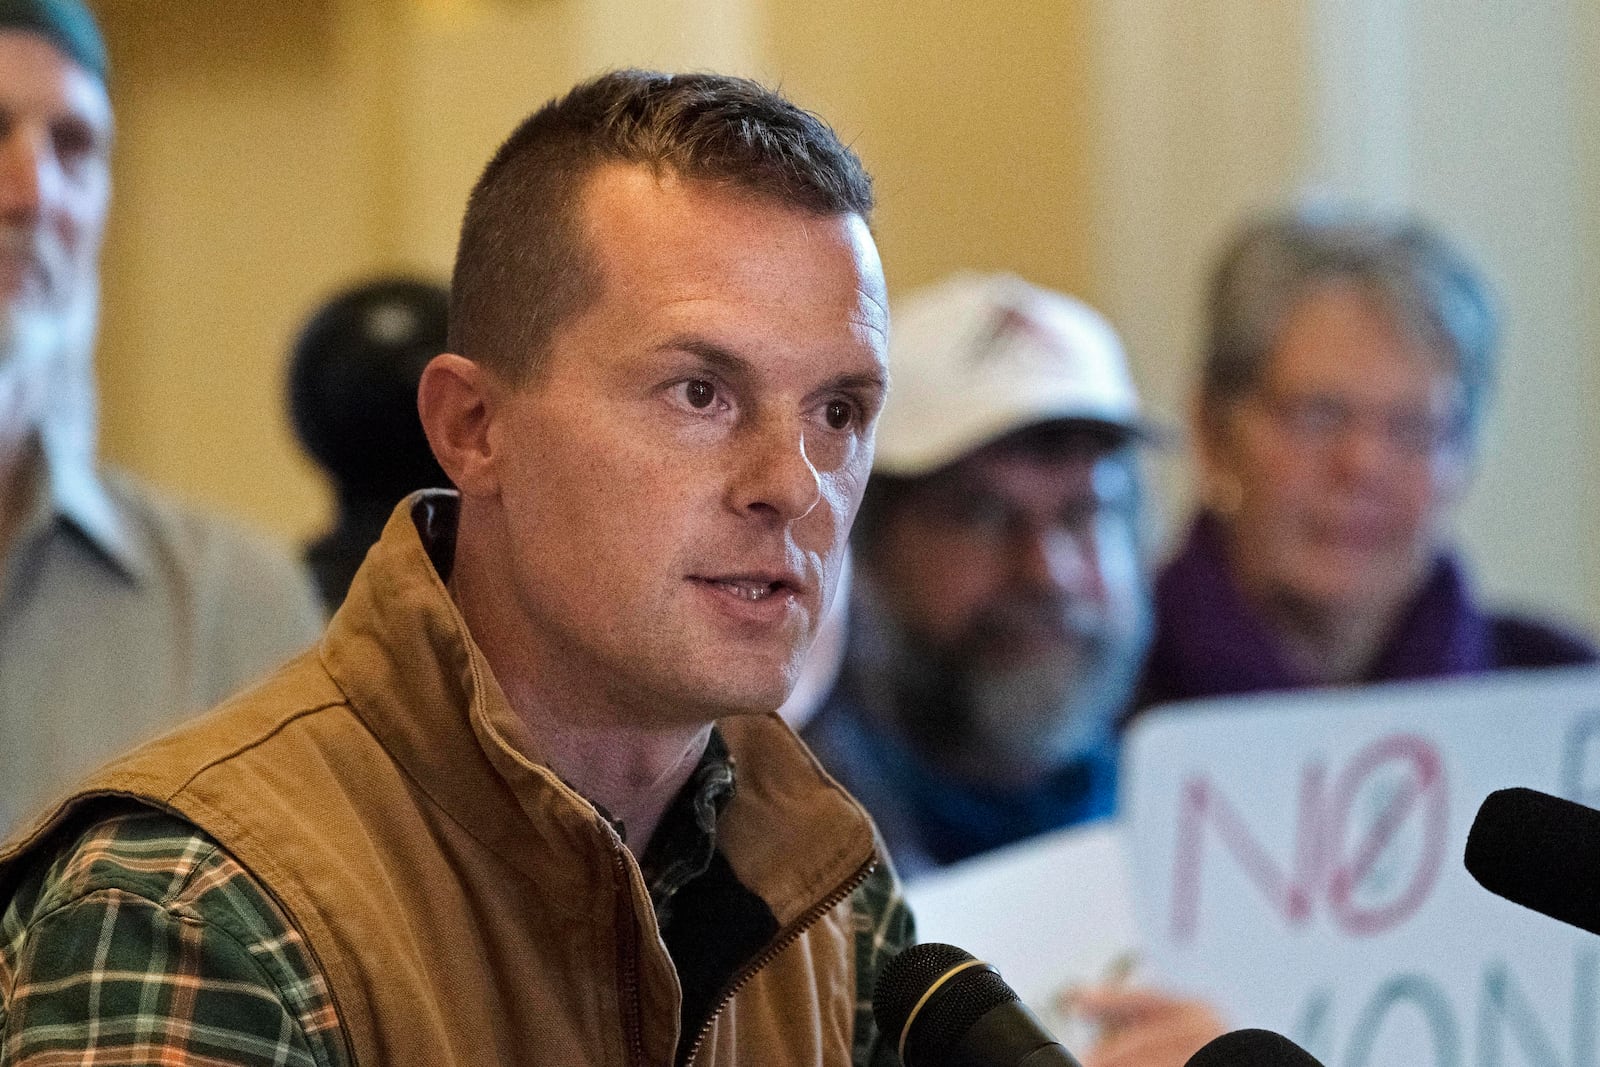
{"x": 464, "y": 904}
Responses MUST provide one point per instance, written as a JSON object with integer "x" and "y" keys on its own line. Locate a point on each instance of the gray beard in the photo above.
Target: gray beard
{"x": 1037, "y": 716}
{"x": 990, "y": 723}
{"x": 47, "y": 375}
{"x": 28, "y": 342}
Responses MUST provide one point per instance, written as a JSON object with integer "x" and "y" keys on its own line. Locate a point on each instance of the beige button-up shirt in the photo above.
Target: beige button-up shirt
{"x": 121, "y": 613}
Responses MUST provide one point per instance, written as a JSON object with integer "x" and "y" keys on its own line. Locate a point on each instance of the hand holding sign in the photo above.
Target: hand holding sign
{"x": 1142, "y": 1027}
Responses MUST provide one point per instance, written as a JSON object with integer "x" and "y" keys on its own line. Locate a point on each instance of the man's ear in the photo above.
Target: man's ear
{"x": 456, "y": 400}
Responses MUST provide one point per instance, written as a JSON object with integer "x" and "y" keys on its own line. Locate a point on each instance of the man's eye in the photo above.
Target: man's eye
{"x": 1080, "y": 515}
{"x": 74, "y": 143}
{"x": 977, "y": 514}
{"x": 1324, "y": 414}
{"x": 840, "y": 414}
{"x": 699, "y": 393}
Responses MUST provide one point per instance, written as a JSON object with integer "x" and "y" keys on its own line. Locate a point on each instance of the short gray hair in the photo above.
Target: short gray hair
{"x": 1430, "y": 287}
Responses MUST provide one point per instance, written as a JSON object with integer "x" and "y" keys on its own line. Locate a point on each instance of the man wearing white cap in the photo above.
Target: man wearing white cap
{"x": 1001, "y": 608}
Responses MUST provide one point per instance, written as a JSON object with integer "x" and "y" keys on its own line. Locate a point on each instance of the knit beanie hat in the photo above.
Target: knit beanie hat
{"x": 67, "y": 24}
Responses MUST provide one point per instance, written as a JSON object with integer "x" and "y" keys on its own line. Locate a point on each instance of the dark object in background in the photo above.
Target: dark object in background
{"x": 353, "y": 397}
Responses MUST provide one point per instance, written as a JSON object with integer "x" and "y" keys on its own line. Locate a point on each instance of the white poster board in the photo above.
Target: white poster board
{"x": 1050, "y": 913}
{"x": 1297, "y": 860}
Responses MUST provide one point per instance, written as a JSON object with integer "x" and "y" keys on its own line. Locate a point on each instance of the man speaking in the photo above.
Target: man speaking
{"x": 519, "y": 805}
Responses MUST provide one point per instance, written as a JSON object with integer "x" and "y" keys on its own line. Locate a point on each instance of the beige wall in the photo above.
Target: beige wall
{"x": 269, "y": 153}
{"x": 973, "y": 118}
{"x": 230, "y": 167}
{"x": 1200, "y": 117}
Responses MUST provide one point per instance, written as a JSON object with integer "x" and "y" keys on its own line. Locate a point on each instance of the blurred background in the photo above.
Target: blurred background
{"x": 269, "y": 153}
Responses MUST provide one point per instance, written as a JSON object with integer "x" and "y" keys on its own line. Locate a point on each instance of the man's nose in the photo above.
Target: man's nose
{"x": 1363, "y": 451}
{"x": 776, "y": 477}
{"x": 1052, "y": 559}
{"x": 25, "y": 174}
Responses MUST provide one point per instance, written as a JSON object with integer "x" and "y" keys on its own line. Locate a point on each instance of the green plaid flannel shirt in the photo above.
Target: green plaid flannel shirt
{"x": 145, "y": 944}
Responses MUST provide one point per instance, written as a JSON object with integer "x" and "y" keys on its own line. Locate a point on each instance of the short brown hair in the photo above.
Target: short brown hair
{"x": 521, "y": 268}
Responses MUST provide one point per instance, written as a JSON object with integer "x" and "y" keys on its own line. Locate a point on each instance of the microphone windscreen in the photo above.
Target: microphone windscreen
{"x": 1252, "y": 1048}
{"x": 1539, "y": 851}
{"x": 908, "y": 978}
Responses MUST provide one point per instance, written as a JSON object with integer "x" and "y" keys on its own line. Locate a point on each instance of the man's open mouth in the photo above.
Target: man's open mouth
{"x": 746, "y": 589}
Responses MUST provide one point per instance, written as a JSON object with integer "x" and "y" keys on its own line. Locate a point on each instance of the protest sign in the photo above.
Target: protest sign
{"x": 1297, "y": 860}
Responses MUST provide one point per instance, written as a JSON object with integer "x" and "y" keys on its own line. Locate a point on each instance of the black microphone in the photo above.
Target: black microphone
{"x": 943, "y": 1008}
{"x": 1252, "y": 1048}
{"x": 1541, "y": 852}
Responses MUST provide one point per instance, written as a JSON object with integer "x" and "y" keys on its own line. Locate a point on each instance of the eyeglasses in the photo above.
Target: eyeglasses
{"x": 977, "y": 511}
{"x": 1317, "y": 420}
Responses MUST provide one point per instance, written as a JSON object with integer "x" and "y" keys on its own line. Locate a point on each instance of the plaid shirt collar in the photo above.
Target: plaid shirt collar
{"x": 686, "y": 839}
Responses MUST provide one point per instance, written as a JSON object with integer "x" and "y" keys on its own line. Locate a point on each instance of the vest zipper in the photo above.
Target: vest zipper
{"x": 778, "y": 944}
{"x": 628, "y": 958}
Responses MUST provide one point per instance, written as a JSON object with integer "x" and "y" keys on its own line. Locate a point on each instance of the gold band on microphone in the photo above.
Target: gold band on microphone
{"x": 900, "y": 1048}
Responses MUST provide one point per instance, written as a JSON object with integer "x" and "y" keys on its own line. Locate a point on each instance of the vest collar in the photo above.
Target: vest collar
{"x": 401, "y": 652}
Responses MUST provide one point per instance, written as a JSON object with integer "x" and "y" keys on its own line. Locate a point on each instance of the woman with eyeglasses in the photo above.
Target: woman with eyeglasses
{"x": 1347, "y": 368}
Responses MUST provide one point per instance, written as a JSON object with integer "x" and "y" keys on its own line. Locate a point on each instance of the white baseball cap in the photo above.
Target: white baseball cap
{"x": 979, "y": 356}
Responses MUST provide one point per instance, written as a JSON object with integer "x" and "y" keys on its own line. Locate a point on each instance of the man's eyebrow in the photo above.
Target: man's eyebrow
{"x": 870, "y": 381}
{"x": 709, "y": 352}
{"x": 735, "y": 365}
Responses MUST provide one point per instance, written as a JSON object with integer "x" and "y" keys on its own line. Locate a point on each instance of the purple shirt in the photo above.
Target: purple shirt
{"x": 1210, "y": 642}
